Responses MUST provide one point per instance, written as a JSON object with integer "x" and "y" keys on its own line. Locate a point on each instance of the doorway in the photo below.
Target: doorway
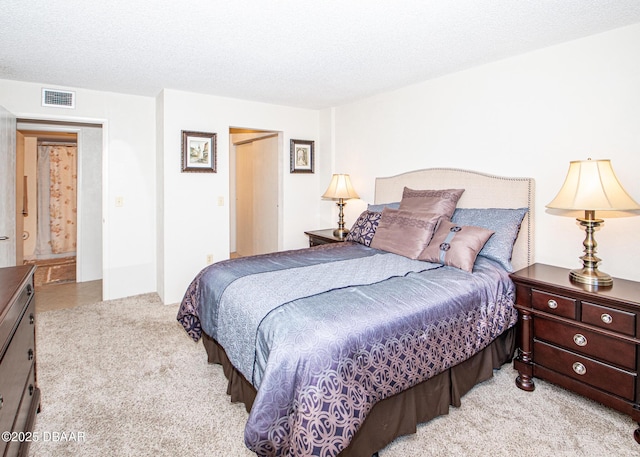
{"x": 255, "y": 184}
{"x": 49, "y": 207}
{"x": 62, "y": 192}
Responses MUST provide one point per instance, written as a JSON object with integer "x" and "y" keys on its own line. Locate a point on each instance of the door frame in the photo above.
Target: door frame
{"x": 9, "y": 188}
{"x": 74, "y": 125}
{"x": 23, "y": 126}
{"x": 257, "y": 135}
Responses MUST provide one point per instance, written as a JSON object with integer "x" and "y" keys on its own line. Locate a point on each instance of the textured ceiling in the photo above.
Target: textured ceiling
{"x": 306, "y": 53}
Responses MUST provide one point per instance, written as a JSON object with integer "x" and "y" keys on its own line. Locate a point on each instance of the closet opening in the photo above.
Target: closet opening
{"x": 255, "y": 191}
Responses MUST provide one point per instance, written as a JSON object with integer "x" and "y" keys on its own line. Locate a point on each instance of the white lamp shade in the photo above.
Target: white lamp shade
{"x": 591, "y": 185}
{"x": 340, "y": 187}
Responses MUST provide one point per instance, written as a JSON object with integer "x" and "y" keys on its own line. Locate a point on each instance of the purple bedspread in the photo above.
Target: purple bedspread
{"x": 324, "y": 360}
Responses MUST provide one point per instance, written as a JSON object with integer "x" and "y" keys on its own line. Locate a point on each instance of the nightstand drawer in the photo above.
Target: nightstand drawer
{"x": 609, "y": 318}
{"x": 586, "y": 342}
{"x": 318, "y": 242}
{"x": 554, "y": 304}
{"x": 592, "y": 372}
{"x": 320, "y": 237}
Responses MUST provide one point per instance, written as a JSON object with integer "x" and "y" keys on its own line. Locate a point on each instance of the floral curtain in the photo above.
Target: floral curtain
{"x": 62, "y": 191}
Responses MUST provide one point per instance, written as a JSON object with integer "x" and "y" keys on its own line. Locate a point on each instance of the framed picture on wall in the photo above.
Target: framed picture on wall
{"x": 198, "y": 152}
{"x": 301, "y": 156}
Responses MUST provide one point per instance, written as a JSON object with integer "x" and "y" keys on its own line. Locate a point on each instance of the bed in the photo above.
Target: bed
{"x": 339, "y": 349}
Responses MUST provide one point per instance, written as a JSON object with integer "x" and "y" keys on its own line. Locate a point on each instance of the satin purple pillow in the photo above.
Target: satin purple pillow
{"x": 455, "y": 245}
{"x": 437, "y": 201}
{"x": 405, "y": 233}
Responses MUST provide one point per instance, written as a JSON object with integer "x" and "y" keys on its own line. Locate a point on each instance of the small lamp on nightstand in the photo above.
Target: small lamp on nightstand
{"x": 590, "y": 186}
{"x": 340, "y": 188}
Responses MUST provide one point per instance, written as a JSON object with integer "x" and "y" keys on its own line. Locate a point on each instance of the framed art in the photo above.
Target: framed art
{"x": 198, "y": 152}
{"x": 301, "y": 156}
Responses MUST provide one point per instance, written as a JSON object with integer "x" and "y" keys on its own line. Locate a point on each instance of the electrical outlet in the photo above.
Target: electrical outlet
{"x": 119, "y": 201}
{"x": 221, "y": 201}
{"x": 209, "y": 259}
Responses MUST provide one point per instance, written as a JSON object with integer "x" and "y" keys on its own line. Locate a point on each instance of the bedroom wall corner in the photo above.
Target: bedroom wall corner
{"x": 160, "y": 163}
{"x": 327, "y": 215}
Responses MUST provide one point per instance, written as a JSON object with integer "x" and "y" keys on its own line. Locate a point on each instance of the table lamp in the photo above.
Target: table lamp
{"x": 340, "y": 188}
{"x": 590, "y": 186}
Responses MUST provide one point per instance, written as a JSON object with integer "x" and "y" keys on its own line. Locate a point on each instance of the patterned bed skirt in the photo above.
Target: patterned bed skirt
{"x": 398, "y": 415}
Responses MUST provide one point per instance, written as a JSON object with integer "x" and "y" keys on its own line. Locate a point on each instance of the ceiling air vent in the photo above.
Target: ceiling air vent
{"x": 58, "y": 98}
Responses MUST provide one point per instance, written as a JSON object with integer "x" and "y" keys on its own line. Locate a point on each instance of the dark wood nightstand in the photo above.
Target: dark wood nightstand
{"x": 583, "y": 339}
{"x": 318, "y": 237}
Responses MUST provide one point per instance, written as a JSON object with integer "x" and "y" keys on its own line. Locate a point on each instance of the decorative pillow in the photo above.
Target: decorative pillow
{"x": 380, "y": 207}
{"x": 406, "y": 233}
{"x": 455, "y": 245}
{"x": 505, "y": 222}
{"x": 364, "y": 228}
{"x": 440, "y": 201}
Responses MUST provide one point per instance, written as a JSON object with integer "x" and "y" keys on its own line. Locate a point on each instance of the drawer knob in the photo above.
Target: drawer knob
{"x": 606, "y": 318}
{"x": 580, "y": 339}
{"x": 1, "y": 401}
{"x": 30, "y": 354}
{"x": 31, "y": 319}
{"x": 579, "y": 368}
{"x": 552, "y": 304}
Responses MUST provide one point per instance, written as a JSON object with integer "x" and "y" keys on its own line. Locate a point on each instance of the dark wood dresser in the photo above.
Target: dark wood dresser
{"x": 583, "y": 339}
{"x": 19, "y": 394}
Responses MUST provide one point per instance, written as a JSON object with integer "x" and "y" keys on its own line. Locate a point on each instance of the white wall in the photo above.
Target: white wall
{"x": 128, "y": 171}
{"x": 192, "y": 225}
{"x": 525, "y": 116}
{"x": 158, "y": 240}
{"x": 328, "y": 217}
{"x": 90, "y": 204}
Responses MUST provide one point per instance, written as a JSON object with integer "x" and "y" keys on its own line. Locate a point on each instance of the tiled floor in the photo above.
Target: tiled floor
{"x": 67, "y": 295}
{"x": 58, "y": 296}
{"x": 53, "y": 271}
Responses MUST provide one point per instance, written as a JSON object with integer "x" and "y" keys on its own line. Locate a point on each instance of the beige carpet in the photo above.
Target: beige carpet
{"x": 125, "y": 377}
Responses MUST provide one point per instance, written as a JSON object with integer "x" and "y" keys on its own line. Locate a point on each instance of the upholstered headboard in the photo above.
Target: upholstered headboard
{"x": 481, "y": 191}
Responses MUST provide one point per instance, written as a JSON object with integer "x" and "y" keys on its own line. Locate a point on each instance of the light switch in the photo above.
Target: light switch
{"x": 220, "y": 200}
{"x": 119, "y": 201}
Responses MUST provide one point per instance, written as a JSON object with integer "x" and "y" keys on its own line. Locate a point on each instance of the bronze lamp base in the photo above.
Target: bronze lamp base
{"x": 589, "y": 273}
